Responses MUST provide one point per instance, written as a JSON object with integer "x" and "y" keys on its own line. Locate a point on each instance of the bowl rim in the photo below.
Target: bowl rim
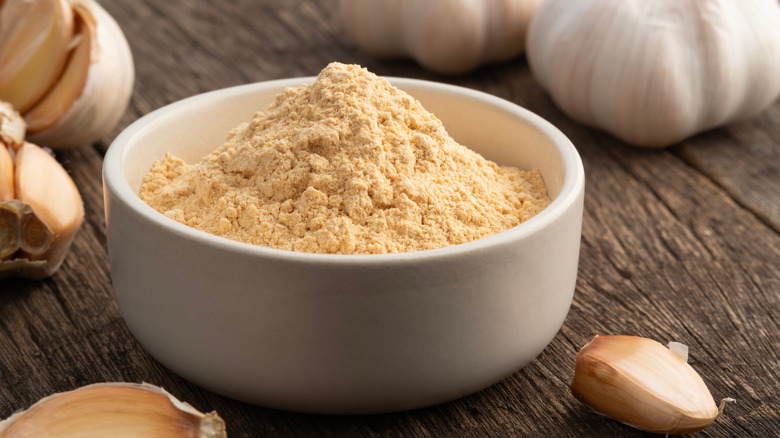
{"x": 571, "y": 189}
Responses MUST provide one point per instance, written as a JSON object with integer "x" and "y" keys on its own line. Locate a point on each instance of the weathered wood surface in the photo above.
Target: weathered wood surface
{"x": 678, "y": 244}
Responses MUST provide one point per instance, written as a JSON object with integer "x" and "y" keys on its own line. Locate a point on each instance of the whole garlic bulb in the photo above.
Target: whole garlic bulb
{"x": 445, "y": 36}
{"x": 653, "y": 73}
{"x": 66, "y": 66}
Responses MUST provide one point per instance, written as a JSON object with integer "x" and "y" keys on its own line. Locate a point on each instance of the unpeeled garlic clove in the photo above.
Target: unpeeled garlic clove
{"x": 39, "y": 224}
{"x": 116, "y": 410}
{"x": 643, "y": 384}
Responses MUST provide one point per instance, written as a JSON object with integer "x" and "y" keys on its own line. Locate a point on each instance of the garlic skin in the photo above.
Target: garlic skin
{"x": 643, "y": 384}
{"x": 12, "y": 126}
{"x": 655, "y": 73}
{"x": 116, "y": 410}
{"x": 444, "y": 36}
{"x": 90, "y": 91}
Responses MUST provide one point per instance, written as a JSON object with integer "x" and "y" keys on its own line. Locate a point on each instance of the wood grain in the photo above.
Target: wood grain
{"x": 678, "y": 244}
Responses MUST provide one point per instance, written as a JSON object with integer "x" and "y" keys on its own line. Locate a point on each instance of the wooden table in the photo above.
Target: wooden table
{"x": 678, "y": 244}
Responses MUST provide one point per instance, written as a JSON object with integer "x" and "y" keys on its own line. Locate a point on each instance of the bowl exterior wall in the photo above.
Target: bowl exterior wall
{"x": 343, "y": 338}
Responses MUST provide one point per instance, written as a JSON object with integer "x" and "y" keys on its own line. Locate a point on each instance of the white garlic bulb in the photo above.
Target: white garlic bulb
{"x": 66, "y": 66}
{"x": 653, "y": 73}
{"x": 445, "y": 36}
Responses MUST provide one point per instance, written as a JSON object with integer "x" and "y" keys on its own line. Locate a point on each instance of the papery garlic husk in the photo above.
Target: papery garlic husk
{"x": 39, "y": 223}
{"x": 92, "y": 89}
{"x": 654, "y": 73}
{"x": 12, "y": 126}
{"x": 643, "y": 384}
{"x": 116, "y": 410}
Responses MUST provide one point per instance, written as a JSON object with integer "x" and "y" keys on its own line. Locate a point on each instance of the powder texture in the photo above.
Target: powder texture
{"x": 348, "y": 164}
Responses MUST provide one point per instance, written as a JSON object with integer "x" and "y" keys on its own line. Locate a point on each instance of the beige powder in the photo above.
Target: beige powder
{"x": 345, "y": 165}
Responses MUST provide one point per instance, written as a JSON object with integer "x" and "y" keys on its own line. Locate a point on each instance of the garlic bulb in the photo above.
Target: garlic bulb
{"x": 40, "y": 207}
{"x": 653, "y": 73}
{"x": 116, "y": 410}
{"x": 66, "y": 66}
{"x": 445, "y": 36}
{"x": 643, "y": 384}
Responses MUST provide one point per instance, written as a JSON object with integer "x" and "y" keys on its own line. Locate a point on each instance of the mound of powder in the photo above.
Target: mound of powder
{"x": 348, "y": 164}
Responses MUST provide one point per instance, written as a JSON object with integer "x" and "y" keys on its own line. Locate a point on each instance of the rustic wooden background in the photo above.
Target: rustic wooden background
{"x": 678, "y": 244}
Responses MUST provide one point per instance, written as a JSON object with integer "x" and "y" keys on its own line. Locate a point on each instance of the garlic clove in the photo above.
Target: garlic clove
{"x": 34, "y": 41}
{"x": 12, "y": 125}
{"x": 25, "y": 236}
{"x": 42, "y": 183}
{"x": 6, "y": 174}
{"x": 35, "y": 237}
{"x": 107, "y": 75}
{"x": 116, "y": 410}
{"x": 10, "y": 223}
{"x": 57, "y": 102}
{"x": 639, "y": 382}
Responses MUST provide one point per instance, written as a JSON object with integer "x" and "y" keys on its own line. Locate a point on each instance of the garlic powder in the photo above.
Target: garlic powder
{"x": 348, "y": 164}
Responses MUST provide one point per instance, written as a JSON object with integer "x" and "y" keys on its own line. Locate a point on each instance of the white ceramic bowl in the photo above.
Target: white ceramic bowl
{"x": 343, "y": 334}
